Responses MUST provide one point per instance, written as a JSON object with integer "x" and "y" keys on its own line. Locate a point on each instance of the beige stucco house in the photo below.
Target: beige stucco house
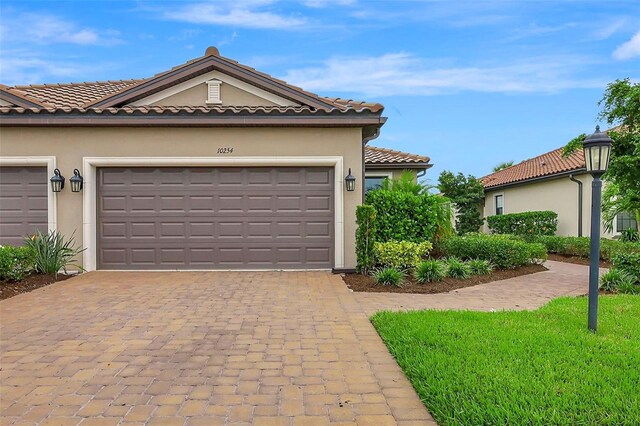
{"x": 548, "y": 182}
{"x": 209, "y": 165}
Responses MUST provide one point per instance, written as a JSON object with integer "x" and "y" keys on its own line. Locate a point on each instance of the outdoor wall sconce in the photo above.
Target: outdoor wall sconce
{"x": 350, "y": 181}
{"x": 76, "y": 181}
{"x": 57, "y": 181}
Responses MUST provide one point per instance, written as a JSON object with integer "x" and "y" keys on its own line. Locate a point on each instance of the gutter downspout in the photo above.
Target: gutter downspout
{"x": 573, "y": 179}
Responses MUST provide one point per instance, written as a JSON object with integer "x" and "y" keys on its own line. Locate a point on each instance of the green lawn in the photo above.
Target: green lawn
{"x": 523, "y": 368}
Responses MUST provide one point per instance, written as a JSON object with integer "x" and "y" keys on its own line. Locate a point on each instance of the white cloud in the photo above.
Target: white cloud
{"x": 405, "y": 74}
{"x": 247, "y": 14}
{"x": 325, "y": 3}
{"x": 629, "y": 49}
{"x": 48, "y": 29}
{"x": 25, "y": 67}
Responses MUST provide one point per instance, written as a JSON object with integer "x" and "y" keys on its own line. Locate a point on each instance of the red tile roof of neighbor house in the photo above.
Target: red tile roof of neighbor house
{"x": 384, "y": 156}
{"x": 548, "y": 164}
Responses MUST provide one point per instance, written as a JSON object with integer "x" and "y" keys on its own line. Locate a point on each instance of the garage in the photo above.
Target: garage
{"x": 215, "y": 218}
{"x": 23, "y": 202}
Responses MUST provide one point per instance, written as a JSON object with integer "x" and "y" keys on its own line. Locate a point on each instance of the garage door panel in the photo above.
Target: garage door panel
{"x": 208, "y": 218}
{"x": 23, "y": 203}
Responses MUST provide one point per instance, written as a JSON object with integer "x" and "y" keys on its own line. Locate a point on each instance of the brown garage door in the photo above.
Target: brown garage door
{"x": 215, "y": 218}
{"x": 23, "y": 203}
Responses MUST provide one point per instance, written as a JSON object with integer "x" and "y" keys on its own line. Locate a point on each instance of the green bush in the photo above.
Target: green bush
{"x": 389, "y": 276}
{"x": 15, "y": 263}
{"x": 480, "y": 266}
{"x": 627, "y": 262}
{"x": 456, "y": 268}
{"x": 404, "y": 255}
{"x": 629, "y": 288}
{"x": 615, "y": 278}
{"x": 365, "y": 238}
{"x": 581, "y": 246}
{"x": 526, "y": 224}
{"x": 503, "y": 251}
{"x": 52, "y": 252}
{"x": 430, "y": 270}
{"x": 404, "y": 216}
{"x": 630, "y": 236}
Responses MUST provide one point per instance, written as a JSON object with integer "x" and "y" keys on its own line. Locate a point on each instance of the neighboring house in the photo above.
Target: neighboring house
{"x": 383, "y": 163}
{"x": 548, "y": 182}
{"x": 209, "y": 165}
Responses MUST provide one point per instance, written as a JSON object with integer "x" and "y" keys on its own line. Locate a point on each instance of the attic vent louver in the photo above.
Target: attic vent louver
{"x": 213, "y": 91}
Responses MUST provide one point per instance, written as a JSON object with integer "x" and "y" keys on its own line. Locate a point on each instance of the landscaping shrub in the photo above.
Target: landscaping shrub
{"x": 430, "y": 270}
{"x": 480, "y": 266}
{"x": 630, "y": 235}
{"x": 456, "y": 268}
{"x": 580, "y": 246}
{"x": 503, "y": 251}
{"x": 389, "y": 276}
{"x": 526, "y": 224}
{"x": 15, "y": 263}
{"x": 629, "y": 288}
{"x": 52, "y": 252}
{"x": 614, "y": 279}
{"x": 627, "y": 262}
{"x": 365, "y": 238}
{"x": 403, "y": 255}
{"x": 404, "y": 216}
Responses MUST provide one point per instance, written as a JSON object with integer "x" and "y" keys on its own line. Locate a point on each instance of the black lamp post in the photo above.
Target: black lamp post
{"x": 350, "y": 181}
{"x": 76, "y": 181}
{"x": 57, "y": 181}
{"x": 597, "y": 148}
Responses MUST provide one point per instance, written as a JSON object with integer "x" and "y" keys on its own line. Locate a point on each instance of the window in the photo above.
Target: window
{"x": 373, "y": 182}
{"x": 499, "y": 204}
{"x": 624, "y": 221}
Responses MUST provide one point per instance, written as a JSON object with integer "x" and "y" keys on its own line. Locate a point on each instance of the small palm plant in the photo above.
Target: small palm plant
{"x": 457, "y": 268}
{"x": 52, "y": 252}
{"x": 480, "y": 267}
{"x": 389, "y": 276}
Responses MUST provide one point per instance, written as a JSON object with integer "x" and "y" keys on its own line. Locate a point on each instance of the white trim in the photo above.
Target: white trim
{"x": 89, "y": 195}
{"x": 213, "y": 91}
{"x": 50, "y": 163}
{"x": 209, "y": 76}
{"x": 373, "y": 173}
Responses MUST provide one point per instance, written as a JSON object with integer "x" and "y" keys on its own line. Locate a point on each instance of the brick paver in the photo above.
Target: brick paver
{"x": 524, "y": 292}
{"x": 198, "y": 348}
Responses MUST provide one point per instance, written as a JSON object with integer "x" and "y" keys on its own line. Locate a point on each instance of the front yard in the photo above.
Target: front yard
{"x": 540, "y": 367}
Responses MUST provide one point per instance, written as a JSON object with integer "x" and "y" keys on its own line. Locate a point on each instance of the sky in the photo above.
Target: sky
{"x": 468, "y": 83}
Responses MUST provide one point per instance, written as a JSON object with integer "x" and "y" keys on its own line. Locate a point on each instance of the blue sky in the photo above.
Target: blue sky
{"x": 469, "y": 84}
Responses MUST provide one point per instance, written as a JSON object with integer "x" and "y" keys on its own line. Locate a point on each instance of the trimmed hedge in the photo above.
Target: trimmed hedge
{"x": 503, "y": 251}
{"x": 365, "y": 238}
{"x": 404, "y": 255}
{"x": 627, "y": 262}
{"x": 16, "y": 262}
{"x": 525, "y": 224}
{"x": 580, "y": 246}
{"x": 403, "y": 216}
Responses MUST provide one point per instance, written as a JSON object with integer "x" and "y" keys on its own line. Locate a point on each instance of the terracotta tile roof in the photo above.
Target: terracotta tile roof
{"x": 21, "y": 94}
{"x": 377, "y": 155}
{"x": 547, "y": 164}
{"x": 74, "y": 94}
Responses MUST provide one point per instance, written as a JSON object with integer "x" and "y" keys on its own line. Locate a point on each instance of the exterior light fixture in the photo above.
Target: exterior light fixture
{"x": 350, "y": 181}
{"x": 597, "y": 148}
{"x": 76, "y": 181}
{"x": 57, "y": 181}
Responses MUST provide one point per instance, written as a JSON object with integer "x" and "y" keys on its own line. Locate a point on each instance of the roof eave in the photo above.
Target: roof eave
{"x": 379, "y": 166}
{"x": 579, "y": 171}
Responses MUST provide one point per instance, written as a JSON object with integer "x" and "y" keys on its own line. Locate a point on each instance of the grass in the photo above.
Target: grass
{"x": 522, "y": 368}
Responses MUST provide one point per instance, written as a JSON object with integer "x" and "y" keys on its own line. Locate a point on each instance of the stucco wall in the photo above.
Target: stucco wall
{"x": 70, "y": 145}
{"x": 229, "y": 95}
{"x": 559, "y": 195}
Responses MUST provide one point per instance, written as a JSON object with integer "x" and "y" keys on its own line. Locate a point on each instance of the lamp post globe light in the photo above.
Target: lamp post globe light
{"x": 597, "y": 149}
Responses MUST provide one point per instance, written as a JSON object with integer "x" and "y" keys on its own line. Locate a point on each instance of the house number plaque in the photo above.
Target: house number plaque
{"x": 225, "y": 150}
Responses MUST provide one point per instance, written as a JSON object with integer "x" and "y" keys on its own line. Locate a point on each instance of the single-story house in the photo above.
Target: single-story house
{"x": 209, "y": 165}
{"x": 548, "y": 182}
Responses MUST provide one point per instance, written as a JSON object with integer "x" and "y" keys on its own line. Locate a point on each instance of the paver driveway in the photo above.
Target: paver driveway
{"x": 194, "y": 348}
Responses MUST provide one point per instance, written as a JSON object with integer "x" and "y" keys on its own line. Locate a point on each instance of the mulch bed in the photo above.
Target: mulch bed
{"x": 357, "y": 282}
{"x": 576, "y": 260}
{"x": 30, "y": 283}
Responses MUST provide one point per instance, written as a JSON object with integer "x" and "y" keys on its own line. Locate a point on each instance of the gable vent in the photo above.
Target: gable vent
{"x": 213, "y": 91}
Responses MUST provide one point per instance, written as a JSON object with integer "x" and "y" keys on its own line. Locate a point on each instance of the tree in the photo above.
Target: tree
{"x": 620, "y": 108}
{"x": 467, "y": 193}
{"x": 502, "y": 166}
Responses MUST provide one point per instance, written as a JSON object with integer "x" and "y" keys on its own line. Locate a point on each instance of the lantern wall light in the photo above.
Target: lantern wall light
{"x": 350, "y": 181}
{"x": 76, "y": 181}
{"x": 57, "y": 181}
